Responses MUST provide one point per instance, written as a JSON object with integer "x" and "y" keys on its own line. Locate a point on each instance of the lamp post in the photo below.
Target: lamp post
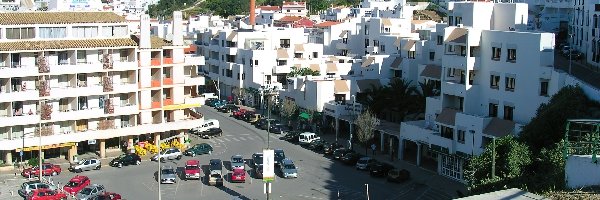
{"x": 40, "y": 151}
{"x": 159, "y": 171}
{"x": 570, "y": 54}
{"x": 352, "y": 121}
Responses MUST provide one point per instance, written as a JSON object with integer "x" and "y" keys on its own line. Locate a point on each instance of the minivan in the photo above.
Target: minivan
{"x": 307, "y": 137}
{"x": 207, "y": 124}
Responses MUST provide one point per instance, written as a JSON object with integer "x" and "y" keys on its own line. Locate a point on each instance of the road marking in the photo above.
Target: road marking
{"x": 235, "y": 139}
{"x": 219, "y": 140}
{"x": 242, "y": 138}
{"x": 252, "y": 138}
{"x": 227, "y": 139}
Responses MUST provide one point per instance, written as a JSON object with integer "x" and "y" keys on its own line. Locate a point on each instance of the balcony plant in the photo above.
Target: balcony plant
{"x": 106, "y": 124}
{"x": 109, "y": 107}
{"x": 46, "y": 112}
{"x": 107, "y": 62}
{"x": 42, "y": 63}
{"x": 44, "y": 88}
{"x": 44, "y": 131}
{"x": 107, "y": 84}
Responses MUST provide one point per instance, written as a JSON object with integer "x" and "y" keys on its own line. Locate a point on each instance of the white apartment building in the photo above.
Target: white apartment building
{"x": 583, "y": 26}
{"x": 294, "y": 8}
{"x": 79, "y": 78}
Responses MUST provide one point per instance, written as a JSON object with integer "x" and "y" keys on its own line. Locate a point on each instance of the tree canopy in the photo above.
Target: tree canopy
{"x": 302, "y": 72}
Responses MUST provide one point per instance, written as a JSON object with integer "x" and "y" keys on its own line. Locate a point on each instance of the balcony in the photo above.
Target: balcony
{"x": 44, "y": 88}
{"x": 373, "y": 49}
{"x": 44, "y": 131}
{"x": 341, "y": 46}
{"x": 126, "y": 109}
{"x": 67, "y": 115}
{"x": 454, "y": 88}
{"x": 22, "y": 70}
{"x": 283, "y": 69}
{"x": 107, "y": 84}
{"x": 167, "y": 81}
{"x": 17, "y": 120}
{"x": 109, "y": 107}
{"x": 82, "y": 89}
{"x": 106, "y": 124}
{"x": 194, "y": 60}
{"x": 125, "y": 87}
{"x": 154, "y": 83}
{"x": 193, "y": 100}
{"x": 167, "y": 101}
{"x": 423, "y": 131}
{"x": 124, "y": 65}
{"x": 155, "y": 104}
{"x": 46, "y": 112}
{"x": 155, "y": 62}
{"x": 101, "y": 134}
{"x": 19, "y": 95}
{"x": 167, "y": 61}
{"x": 87, "y": 67}
{"x": 194, "y": 80}
{"x": 341, "y": 109}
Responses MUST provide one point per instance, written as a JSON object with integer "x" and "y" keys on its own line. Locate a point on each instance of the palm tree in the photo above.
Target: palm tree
{"x": 427, "y": 90}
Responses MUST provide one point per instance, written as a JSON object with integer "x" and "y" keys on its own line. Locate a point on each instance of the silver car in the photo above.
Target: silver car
{"x": 168, "y": 175}
{"x": 90, "y": 192}
{"x": 33, "y": 185}
{"x": 85, "y": 165}
{"x": 288, "y": 169}
{"x": 170, "y": 154}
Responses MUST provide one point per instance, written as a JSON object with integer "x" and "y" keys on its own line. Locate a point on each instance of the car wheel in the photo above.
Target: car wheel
{"x": 178, "y": 157}
{"x": 98, "y": 168}
{"x": 162, "y": 159}
{"x": 54, "y": 173}
{"x": 209, "y": 152}
{"x": 120, "y": 165}
{"x": 138, "y": 162}
{"x": 79, "y": 170}
{"x": 193, "y": 154}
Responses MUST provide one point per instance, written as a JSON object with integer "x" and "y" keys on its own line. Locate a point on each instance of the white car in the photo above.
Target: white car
{"x": 237, "y": 162}
{"x": 169, "y": 154}
{"x": 168, "y": 175}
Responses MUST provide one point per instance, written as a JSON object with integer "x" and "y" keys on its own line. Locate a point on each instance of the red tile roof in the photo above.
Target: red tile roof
{"x": 270, "y": 8}
{"x": 306, "y": 23}
{"x": 290, "y": 19}
{"x": 289, "y": 3}
{"x": 327, "y": 24}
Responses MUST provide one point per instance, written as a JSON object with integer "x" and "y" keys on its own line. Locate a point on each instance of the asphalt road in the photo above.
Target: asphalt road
{"x": 319, "y": 177}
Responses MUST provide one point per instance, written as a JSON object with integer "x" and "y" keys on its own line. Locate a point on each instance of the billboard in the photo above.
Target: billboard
{"x": 268, "y": 165}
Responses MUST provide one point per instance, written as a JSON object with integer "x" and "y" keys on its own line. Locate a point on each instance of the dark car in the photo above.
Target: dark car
{"x": 228, "y": 108}
{"x": 338, "y": 154}
{"x": 398, "y": 175}
{"x": 380, "y": 169}
{"x": 257, "y": 159}
{"x": 211, "y": 132}
{"x": 258, "y": 172}
{"x": 330, "y": 148}
{"x": 209, "y": 102}
{"x": 199, "y": 149}
{"x": 215, "y": 165}
{"x": 314, "y": 144}
{"x": 265, "y": 122}
{"x": 351, "y": 158}
{"x": 291, "y": 136}
{"x": 279, "y": 156}
{"x": 126, "y": 159}
{"x": 575, "y": 55}
{"x": 248, "y": 115}
{"x": 279, "y": 128}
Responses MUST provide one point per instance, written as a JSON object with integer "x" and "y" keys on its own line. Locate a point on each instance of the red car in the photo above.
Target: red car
{"x": 192, "y": 169}
{"x": 238, "y": 114}
{"x": 109, "y": 196}
{"x": 46, "y": 194}
{"x": 76, "y": 184}
{"x": 238, "y": 175}
{"x": 47, "y": 170}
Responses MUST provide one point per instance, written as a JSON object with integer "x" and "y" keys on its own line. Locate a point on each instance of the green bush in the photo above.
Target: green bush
{"x": 34, "y": 161}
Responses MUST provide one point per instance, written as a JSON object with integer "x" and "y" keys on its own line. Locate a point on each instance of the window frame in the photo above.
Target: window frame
{"x": 496, "y": 53}
{"x": 512, "y": 55}
{"x": 494, "y": 81}
{"x": 509, "y": 83}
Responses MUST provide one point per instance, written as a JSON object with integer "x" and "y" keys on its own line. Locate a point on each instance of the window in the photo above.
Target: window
{"x": 20, "y": 33}
{"x": 238, "y": 76}
{"x": 471, "y": 77}
{"x": 451, "y": 72}
{"x": 255, "y": 62}
{"x": 494, "y": 81}
{"x": 284, "y": 43}
{"x": 243, "y": 76}
{"x": 366, "y": 43}
{"x": 110, "y": 31}
{"x": 431, "y": 56}
{"x": 510, "y": 83}
{"x": 315, "y": 54}
{"x": 544, "y": 88}
{"x": 81, "y": 56}
{"x": 411, "y": 54}
{"x": 463, "y": 51}
{"x": 512, "y": 55}
{"x": 508, "y": 112}
{"x": 366, "y": 30}
{"x": 440, "y": 39}
{"x": 450, "y": 49}
{"x": 53, "y": 32}
{"x": 345, "y": 40}
{"x": 297, "y": 55}
{"x": 85, "y": 31}
{"x": 496, "y": 53}
{"x": 460, "y": 136}
{"x": 382, "y": 48}
{"x": 281, "y": 62}
{"x": 493, "y": 112}
{"x": 474, "y": 52}
{"x": 375, "y": 42}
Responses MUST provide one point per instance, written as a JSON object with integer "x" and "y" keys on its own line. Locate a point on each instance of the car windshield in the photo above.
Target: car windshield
{"x": 279, "y": 154}
{"x": 362, "y": 161}
{"x": 215, "y": 175}
{"x": 191, "y": 167}
{"x": 122, "y": 156}
{"x": 86, "y": 191}
{"x": 289, "y": 167}
{"x": 72, "y": 184}
{"x": 237, "y": 159}
{"x": 215, "y": 162}
{"x": 168, "y": 171}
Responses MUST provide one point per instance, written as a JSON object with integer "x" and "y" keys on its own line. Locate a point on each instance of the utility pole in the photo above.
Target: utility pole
{"x": 40, "y": 151}
{"x": 493, "y": 158}
{"x": 159, "y": 171}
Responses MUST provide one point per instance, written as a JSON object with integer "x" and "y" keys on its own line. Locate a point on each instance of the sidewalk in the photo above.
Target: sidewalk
{"x": 417, "y": 174}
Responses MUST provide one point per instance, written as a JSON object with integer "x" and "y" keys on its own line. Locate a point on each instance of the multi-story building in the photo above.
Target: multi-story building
{"x": 584, "y": 34}
{"x": 74, "y": 81}
{"x": 294, "y": 8}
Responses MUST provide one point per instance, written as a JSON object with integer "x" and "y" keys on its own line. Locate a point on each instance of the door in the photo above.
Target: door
{"x": 86, "y": 165}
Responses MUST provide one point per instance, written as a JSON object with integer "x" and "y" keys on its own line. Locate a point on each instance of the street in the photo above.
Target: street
{"x": 319, "y": 177}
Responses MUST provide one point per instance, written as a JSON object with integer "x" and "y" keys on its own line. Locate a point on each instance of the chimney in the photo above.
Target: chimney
{"x": 177, "y": 28}
{"x": 145, "y": 32}
{"x": 252, "y": 13}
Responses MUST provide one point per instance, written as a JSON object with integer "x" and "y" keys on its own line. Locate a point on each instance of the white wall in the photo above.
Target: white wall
{"x": 581, "y": 172}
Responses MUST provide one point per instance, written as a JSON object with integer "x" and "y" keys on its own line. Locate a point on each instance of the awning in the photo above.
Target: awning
{"x": 52, "y": 146}
{"x": 282, "y": 53}
{"x": 448, "y": 116}
{"x": 458, "y": 35}
{"x": 304, "y": 115}
{"x": 231, "y": 35}
{"x": 344, "y": 33}
{"x": 432, "y": 71}
{"x": 340, "y": 86}
{"x": 331, "y": 68}
{"x": 366, "y": 84}
{"x": 368, "y": 62}
{"x": 334, "y": 59}
{"x": 298, "y": 47}
{"x": 386, "y": 22}
{"x": 499, "y": 127}
{"x": 409, "y": 45}
{"x": 181, "y": 106}
{"x": 315, "y": 67}
{"x": 396, "y": 63}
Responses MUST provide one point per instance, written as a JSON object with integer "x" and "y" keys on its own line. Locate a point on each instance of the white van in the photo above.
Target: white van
{"x": 307, "y": 137}
{"x": 209, "y": 123}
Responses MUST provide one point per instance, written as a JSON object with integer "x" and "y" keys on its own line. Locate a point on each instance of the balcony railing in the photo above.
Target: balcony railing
{"x": 168, "y": 81}
{"x": 155, "y": 83}
{"x": 167, "y": 101}
{"x": 155, "y": 62}
{"x": 156, "y": 104}
{"x": 107, "y": 62}
{"x": 46, "y": 111}
{"x": 106, "y": 124}
{"x": 109, "y": 107}
{"x": 168, "y": 60}
{"x": 107, "y": 84}
{"x": 44, "y": 88}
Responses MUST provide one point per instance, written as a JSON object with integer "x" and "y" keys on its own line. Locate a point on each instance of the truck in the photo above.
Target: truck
{"x": 192, "y": 169}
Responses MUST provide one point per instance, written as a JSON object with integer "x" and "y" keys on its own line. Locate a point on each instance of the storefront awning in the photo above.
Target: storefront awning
{"x": 53, "y": 146}
{"x": 304, "y": 115}
{"x": 181, "y": 106}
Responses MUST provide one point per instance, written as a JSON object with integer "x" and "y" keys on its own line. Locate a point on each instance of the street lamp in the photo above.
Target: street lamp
{"x": 570, "y": 54}
{"x": 352, "y": 120}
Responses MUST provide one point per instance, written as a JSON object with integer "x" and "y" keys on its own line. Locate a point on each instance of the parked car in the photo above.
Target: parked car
{"x": 292, "y": 137}
{"x": 351, "y": 158}
{"x": 265, "y": 124}
{"x": 220, "y": 104}
{"x": 279, "y": 128}
{"x": 85, "y": 165}
{"x": 215, "y": 165}
{"x": 315, "y": 144}
{"x": 253, "y": 117}
{"x": 126, "y": 159}
{"x": 238, "y": 175}
{"x": 29, "y": 186}
{"x": 168, "y": 175}
{"x": 46, "y": 194}
{"x": 192, "y": 169}
{"x": 398, "y": 175}
{"x": 380, "y": 169}
{"x": 288, "y": 169}
{"x": 258, "y": 172}
{"x": 338, "y": 154}
{"x": 257, "y": 159}
{"x": 365, "y": 163}
{"x": 575, "y": 55}
{"x": 565, "y": 50}
{"x": 90, "y": 192}
{"x": 108, "y": 196}
{"x": 76, "y": 184}
{"x": 237, "y": 162}
{"x": 279, "y": 156}
{"x": 170, "y": 154}
{"x": 48, "y": 169}
{"x": 227, "y": 108}
{"x": 239, "y": 114}
{"x": 330, "y": 148}
{"x": 210, "y": 102}
{"x": 307, "y": 137}
{"x": 215, "y": 178}
{"x": 211, "y": 132}
{"x": 199, "y": 149}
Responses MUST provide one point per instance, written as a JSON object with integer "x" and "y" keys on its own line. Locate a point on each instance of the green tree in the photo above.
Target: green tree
{"x": 365, "y": 123}
{"x": 288, "y": 109}
{"x": 317, "y": 6}
{"x": 397, "y": 97}
{"x": 295, "y": 72}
